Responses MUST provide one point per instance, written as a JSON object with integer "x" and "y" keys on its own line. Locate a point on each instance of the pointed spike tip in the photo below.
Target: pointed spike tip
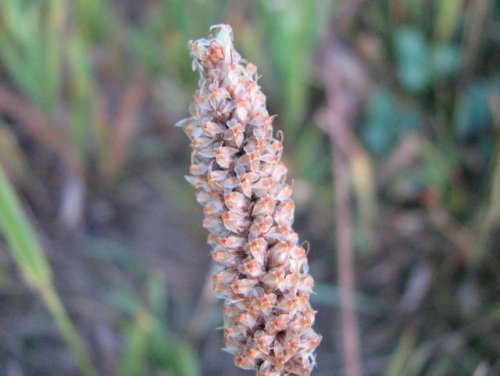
{"x": 224, "y": 34}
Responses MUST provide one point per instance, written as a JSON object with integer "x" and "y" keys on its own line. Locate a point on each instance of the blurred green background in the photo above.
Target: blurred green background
{"x": 104, "y": 269}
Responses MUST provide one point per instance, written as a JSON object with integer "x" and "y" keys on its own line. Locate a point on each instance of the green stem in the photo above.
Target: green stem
{"x": 67, "y": 329}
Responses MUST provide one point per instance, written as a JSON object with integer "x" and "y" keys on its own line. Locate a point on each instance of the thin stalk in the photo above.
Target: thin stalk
{"x": 345, "y": 264}
{"x": 29, "y": 257}
{"x": 68, "y": 331}
{"x": 337, "y": 119}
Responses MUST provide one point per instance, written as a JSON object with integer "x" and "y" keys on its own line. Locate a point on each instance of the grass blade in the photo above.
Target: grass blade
{"x": 402, "y": 353}
{"x": 29, "y": 257}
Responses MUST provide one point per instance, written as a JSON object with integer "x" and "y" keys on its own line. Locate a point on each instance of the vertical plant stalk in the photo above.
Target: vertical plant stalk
{"x": 68, "y": 331}
{"x": 336, "y": 119}
{"x": 346, "y": 270}
{"x": 35, "y": 269}
{"x": 262, "y": 274}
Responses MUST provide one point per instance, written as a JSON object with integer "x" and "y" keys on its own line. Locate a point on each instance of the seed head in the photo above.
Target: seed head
{"x": 241, "y": 183}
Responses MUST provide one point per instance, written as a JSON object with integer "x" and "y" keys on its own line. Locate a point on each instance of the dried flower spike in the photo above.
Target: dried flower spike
{"x": 236, "y": 168}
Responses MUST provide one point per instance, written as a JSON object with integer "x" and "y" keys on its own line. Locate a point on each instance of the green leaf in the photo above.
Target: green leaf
{"x": 413, "y": 58}
{"x": 157, "y": 295}
{"x": 151, "y": 345}
{"x": 387, "y": 120}
{"x": 30, "y": 49}
{"x": 290, "y": 32}
{"x": 134, "y": 357}
{"x": 310, "y": 158}
{"x": 36, "y": 271}
{"x": 146, "y": 49}
{"x": 51, "y": 44}
{"x": 418, "y": 359}
{"x": 473, "y": 114}
{"x": 175, "y": 356}
{"x": 402, "y": 353}
{"x": 448, "y": 17}
{"x": 378, "y": 129}
{"x": 94, "y": 17}
{"x": 20, "y": 236}
{"x": 81, "y": 90}
{"x": 446, "y": 61}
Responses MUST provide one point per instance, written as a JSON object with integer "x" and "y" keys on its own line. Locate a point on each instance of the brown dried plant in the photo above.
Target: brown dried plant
{"x": 241, "y": 183}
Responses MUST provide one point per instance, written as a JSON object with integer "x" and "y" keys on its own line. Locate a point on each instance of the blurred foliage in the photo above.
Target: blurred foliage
{"x": 148, "y": 341}
{"x": 88, "y": 90}
{"x": 36, "y": 271}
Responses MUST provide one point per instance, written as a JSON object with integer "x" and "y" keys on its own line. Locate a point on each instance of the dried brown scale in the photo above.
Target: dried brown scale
{"x": 241, "y": 183}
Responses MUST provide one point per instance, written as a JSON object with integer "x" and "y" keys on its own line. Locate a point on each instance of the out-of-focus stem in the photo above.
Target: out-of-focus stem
{"x": 337, "y": 120}
{"x": 346, "y": 270}
{"x": 35, "y": 269}
{"x": 67, "y": 329}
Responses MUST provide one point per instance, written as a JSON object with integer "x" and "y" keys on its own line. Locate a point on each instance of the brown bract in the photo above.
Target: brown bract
{"x": 241, "y": 183}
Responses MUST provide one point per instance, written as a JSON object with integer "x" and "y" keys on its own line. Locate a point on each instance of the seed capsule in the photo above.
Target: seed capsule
{"x": 279, "y": 254}
{"x": 198, "y": 169}
{"x": 232, "y": 242}
{"x": 261, "y": 225}
{"x": 236, "y": 201}
{"x": 201, "y": 142}
{"x": 284, "y": 193}
{"x": 263, "y": 187}
{"x": 214, "y": 225}
{"x": 247, "y": 183}
{"x": 284, "y": 213}
{"x": 244, "y": 361}
{"x": 263, "y": 206}
{"x": 213, "y": 208}
{"x": 263, "y": 340}
{"x": 234, "y": 338}
{"x": 235, "y": 136}
{"x": 252, "y": 268}
{"x": 223, "y": 156}
{"x": 243, "y": 286}
{"x": 216, "y": 177}
{"x": 221, "y": 282}
{"x": 226, "y": 258}
{"x": 306, "y": 284}
{"x": 234, "y": 222}
{"x": 274, "y": 279}
{"x": 257, "y": 248}
{"x": 279, "y": 172}
{"x": 265, "y": 303}
{"x": 246, "y": 320}
{"x": 203, "y": 197}
{"x": 277, "y": 323}
{"x": 211, "y": 129}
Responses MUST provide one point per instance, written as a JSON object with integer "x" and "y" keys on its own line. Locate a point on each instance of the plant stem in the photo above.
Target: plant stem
{"x": 346, "y": 270}
{"x": 67, "y": 329}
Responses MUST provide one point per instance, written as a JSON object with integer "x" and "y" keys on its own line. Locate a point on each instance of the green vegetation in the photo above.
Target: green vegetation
{"x": 36, "y": 271}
